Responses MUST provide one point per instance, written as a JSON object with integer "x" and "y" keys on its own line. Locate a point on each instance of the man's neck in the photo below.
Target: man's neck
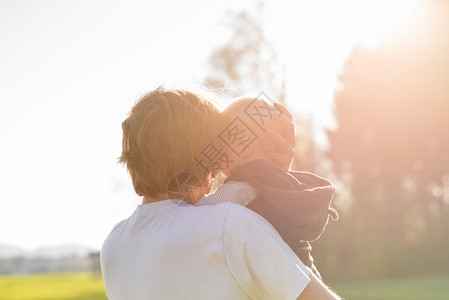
{"x": 148, "y": 199}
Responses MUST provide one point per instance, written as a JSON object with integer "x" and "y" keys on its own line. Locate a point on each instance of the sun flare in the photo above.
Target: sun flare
{"x": 390, "y": 17}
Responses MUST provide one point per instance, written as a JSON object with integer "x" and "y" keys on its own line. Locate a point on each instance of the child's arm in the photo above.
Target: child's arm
{"x": 235, "y": 191}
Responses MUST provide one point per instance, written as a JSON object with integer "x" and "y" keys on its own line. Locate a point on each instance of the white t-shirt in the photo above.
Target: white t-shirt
{"x": 173, "y": 250}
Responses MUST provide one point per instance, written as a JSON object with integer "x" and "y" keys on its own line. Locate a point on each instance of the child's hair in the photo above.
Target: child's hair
{"x": 163, "y": 133}
{"x": 254, "y": 115}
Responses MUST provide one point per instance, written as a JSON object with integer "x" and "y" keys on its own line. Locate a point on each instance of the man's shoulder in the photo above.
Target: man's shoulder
{"x": 228, "y": 209}
{"x": 232, "y": 214}
{"x": 239, "y": 211}
{"x": 241, "y": 217}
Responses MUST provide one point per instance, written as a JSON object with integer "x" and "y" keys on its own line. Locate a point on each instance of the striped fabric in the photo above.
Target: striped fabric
{"x": 235, "y": 192}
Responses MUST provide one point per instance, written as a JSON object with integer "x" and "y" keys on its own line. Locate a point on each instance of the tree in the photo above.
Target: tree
{"x": 246, "y": 63}
{"x": 392, "y": 139}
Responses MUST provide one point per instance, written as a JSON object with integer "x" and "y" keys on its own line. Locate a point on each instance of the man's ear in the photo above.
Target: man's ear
{"x": 247, "y": 152}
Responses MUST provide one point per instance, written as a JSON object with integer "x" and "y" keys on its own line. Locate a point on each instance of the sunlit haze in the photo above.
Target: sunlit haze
{"x": 71, "y": 70}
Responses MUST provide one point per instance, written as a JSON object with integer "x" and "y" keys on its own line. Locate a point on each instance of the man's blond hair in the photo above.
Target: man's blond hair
{"x": 163, "y": 133}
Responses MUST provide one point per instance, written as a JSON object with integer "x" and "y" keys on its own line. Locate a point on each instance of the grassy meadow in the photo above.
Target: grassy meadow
{"x": 422, "y": 288}
{"x": 85, "y": 286}
{"x": 52, "y": 286}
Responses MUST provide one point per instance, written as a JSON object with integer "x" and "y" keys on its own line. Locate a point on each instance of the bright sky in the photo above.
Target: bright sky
{"x": 71, "y": 70}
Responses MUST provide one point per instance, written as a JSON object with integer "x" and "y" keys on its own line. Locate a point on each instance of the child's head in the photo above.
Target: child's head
{"x": 245, "y": 122}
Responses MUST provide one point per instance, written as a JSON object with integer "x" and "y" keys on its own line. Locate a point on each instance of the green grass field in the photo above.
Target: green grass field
{"x": 424, "y": 288}
{"x": 85, "y": 286}
{"x": 64, "y": 286}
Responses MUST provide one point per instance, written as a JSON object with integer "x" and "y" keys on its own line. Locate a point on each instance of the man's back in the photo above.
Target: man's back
{"x": 172, "y": 250}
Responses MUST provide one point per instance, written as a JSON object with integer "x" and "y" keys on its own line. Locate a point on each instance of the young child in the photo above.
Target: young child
{"x": 297, "y": 204}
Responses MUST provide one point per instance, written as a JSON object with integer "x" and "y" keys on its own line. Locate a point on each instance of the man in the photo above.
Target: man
{"x": 169, "y": 249}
